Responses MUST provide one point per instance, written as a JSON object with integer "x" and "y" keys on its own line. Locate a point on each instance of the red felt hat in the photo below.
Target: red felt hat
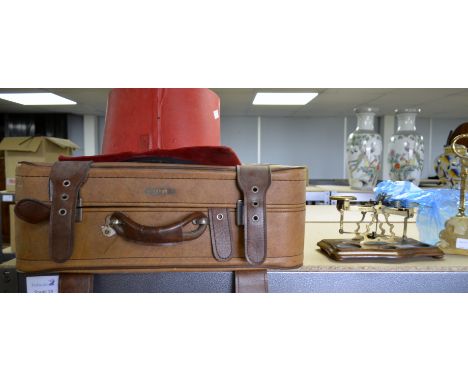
{"x": 140, "y": 120}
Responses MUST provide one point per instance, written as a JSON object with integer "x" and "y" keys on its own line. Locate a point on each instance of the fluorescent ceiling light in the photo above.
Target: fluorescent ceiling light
{"x": 36, "y": 99}
{"x": 283, "y": 98}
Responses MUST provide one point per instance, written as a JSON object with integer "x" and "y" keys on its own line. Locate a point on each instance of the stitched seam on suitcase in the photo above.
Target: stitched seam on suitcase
{"x": 220, "y": 266}
{"x": 180, "y": 268}
{"x": 146, "y": 177}
{"x": 160, "y": 257}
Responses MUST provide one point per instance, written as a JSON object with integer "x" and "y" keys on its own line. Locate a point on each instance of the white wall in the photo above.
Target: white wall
{"x": 90, "y": 127}
{"x": 101, "y": 122}
{"x": 75, "y": 127}
{"x": 317, "y": 142}
{"x": 76, "y": 132}
{"x": 241, "y": 135}
{"x": 423, "y": 127}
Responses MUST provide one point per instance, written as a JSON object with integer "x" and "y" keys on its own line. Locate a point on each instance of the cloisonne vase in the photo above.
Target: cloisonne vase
{"x": 364, "y": 151}
{"x": 448, "y": 167}
{"x": 406, "y": 148}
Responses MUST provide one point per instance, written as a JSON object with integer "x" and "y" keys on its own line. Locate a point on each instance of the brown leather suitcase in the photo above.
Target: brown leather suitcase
{"x": 129, "y": 217}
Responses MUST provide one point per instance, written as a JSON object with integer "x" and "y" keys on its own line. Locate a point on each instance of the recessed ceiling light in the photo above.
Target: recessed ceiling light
{"x": 36, "y": 99}
{"x": 283, "y": 98}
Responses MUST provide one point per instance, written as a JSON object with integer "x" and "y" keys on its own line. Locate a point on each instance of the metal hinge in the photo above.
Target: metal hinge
{"x": 79, "y": 210}
{"x": 240, "y": 213}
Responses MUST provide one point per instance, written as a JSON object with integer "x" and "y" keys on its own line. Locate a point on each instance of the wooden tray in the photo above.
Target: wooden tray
{"x": 345, "y": 249}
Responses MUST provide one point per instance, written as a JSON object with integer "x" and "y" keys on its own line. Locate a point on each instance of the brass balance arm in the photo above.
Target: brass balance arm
{"x": 343, "y": 203}
{"x": 407, "y": 213}
{"x": 460, "y": 151}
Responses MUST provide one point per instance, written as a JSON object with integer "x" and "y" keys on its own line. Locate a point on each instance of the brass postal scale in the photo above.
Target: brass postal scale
{"x": 375, "y": 239}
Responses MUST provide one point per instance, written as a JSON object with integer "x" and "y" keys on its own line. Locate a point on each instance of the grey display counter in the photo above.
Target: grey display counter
{"x": 319, "y": 274}
{"x": 279, "y": 282}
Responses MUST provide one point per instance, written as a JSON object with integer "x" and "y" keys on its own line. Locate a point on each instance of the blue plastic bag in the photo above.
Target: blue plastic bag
{"x": 435, "y": 206}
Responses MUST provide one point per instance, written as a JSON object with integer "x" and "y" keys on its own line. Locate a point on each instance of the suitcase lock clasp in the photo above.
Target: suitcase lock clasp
{"x": 107, "y": 229}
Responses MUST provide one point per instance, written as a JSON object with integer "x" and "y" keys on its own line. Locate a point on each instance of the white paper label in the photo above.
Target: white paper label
{"x": 42, "y": 284}
{"x": 7, "y": 198}
{"x": 216, "y": 114}
{"x": 462, "y": 243}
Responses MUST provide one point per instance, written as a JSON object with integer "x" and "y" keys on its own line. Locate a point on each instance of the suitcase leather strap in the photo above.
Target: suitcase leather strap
{"x": 251, "y": 281}
{"x": 220, "y": 232}
{"x": 76, "y": 283}
{"x": 65, "y": 179}
{"x": 254, "y": 181}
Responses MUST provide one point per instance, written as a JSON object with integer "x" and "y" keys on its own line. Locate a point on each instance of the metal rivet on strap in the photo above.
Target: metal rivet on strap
{"x": 255, "y": 218}
{"x": 62, "y": 211}
{"x": 255, "y": 203}
{"x": 220, "y": 216}
{"x": 64, "y": 196}
{"x": 66, "y": 183}
{"x": 255, "y": 189}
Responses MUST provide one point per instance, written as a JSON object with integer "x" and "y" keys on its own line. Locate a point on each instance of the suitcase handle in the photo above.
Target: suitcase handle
{"x": 130, "y": 230}
{"x": 32, "y": 211}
